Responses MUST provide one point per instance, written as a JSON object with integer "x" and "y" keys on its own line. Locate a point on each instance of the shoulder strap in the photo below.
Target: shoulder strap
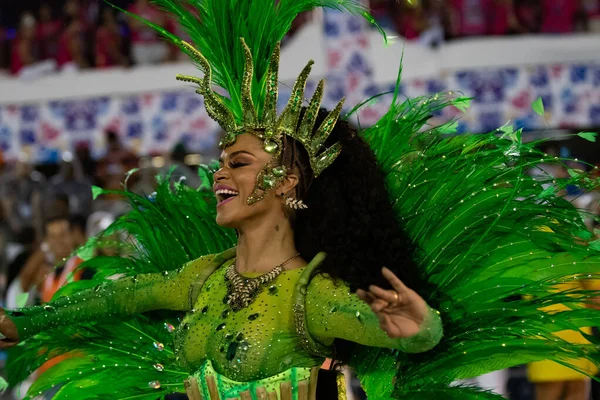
{"x": 206, "y": 271}
{"x": 308, "y": 342}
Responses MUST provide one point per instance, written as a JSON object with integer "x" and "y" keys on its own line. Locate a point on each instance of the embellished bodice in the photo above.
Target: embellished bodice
{"x": 252, "y": 343}
{"x": 290, "y": 326}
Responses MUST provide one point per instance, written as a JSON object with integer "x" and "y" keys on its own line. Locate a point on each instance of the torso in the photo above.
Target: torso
{"x": 253, "y": 343}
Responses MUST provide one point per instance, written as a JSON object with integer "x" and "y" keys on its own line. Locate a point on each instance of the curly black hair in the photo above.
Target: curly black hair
{"x": 349, "y": 215}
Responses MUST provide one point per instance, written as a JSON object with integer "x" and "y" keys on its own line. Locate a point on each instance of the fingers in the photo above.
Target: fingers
{"x": 394, "y": 281}
{"x": 365, "y": 296}
{"x": 379, "y": 306}
{"x": 390, "y": 296}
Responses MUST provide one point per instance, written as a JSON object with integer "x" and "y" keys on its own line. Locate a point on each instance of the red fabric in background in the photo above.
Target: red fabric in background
{"x": 558, "y": 16}
{"x": 472, "y": 16}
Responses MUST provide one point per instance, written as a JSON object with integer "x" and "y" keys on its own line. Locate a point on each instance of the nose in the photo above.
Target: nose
{"x": 220, "y": 175}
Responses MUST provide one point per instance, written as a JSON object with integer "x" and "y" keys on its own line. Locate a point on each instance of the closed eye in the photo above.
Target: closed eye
{"x": 237, "y": 164}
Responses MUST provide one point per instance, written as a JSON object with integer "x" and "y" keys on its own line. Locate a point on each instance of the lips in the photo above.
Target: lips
{"x": 225, "y": 194}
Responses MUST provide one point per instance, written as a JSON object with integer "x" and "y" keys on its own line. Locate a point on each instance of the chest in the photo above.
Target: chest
{"x": 256, "y": 341}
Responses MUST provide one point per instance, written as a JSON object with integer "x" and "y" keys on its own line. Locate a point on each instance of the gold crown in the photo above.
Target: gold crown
{"x": 269, "y": 127}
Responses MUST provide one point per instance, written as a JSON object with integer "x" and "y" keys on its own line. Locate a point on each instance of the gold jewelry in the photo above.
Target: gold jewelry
{"x": 295, "y": 204}
{"x": 396, "y": 297}
{"x": 262, "y": 121}
{"x": 242, "y": 291}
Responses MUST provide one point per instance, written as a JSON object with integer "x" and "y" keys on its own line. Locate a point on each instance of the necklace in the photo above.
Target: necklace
{"x": 242, "y": 291}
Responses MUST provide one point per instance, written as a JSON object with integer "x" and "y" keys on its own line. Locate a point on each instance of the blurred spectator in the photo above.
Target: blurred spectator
{"x": 47, "y": 33}
{"x": 381, "y": 11}
{"x": 503, "y": 20}
{"x": 562, "y": 16}
{"x": 72, "y": 183}
{"x": 145, "y": 181}
{"x": 78, "y": 225}
{"x": 147, "y": 46}
{"x": 592, "y": 9}
{"x": 180, "y": 170}
{"x": 116, "y": 163}
{"x": 57, "y": 246}
{"x": 26, "y": 241}
{"x": 23, "y": 46}
{"x": 409, "y": 18}
{"x": 112, "y": 171}
{"x": 73, "y": 236}
{"x": 528, "y": 15}
{"x": 71, "y": 53}
{"x": 87, "y": 162}
{"x": 468, "y": 17}
{"x": 21, "y": 196}
{"x": 109, "y": 44}
{"x": 482, "y": 17}
{"x": 72, "y": 10}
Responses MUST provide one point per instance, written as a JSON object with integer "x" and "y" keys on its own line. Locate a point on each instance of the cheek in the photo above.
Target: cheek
{"x": 246, "y": 181}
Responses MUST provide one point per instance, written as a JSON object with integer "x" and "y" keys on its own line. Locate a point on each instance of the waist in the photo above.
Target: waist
{"x": 293, "y": 384}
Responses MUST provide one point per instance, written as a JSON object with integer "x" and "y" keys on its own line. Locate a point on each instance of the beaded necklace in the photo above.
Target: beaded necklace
{"x": 242, "y": 290}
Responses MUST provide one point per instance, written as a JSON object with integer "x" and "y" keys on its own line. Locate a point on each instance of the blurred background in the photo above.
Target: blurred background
{"x": 88, "y": 94}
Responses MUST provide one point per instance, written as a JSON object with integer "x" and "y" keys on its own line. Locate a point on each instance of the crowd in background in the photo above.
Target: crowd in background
{"x": 452, "y": 19}
{"x": 80, "y": 34}
{"x": 47, "y": 211}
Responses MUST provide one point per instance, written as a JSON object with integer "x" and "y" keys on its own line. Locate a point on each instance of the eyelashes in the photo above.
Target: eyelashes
{"x": 237, "y": 164}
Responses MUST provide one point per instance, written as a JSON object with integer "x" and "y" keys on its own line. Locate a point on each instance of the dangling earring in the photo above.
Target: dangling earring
{"x": 295, "y": 204}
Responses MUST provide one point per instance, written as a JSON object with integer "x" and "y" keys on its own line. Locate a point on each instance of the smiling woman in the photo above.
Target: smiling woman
{"x": 330, "y": 231}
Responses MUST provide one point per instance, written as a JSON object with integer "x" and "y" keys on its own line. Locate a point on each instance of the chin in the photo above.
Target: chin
{"x": 226, "y": 222}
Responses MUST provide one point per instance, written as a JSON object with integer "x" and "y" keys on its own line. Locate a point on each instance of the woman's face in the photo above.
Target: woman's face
{"x": 240, "y": 164}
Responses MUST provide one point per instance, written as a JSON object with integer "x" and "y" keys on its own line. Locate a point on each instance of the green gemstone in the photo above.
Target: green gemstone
{"x": 269, "y": 181}
{"x": 270, "y": 146}
{"x": 279, "y": 171}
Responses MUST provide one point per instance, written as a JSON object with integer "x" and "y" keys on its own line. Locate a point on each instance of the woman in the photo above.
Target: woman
{"x": 316, "y": 210}
{"x": 400, "y": 318}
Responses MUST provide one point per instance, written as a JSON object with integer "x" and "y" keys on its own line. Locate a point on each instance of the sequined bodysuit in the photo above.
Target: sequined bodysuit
{"x": 257, "y": 342}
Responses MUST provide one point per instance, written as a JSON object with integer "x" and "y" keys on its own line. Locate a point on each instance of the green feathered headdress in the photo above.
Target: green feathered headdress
{"x": 235, "y": 44}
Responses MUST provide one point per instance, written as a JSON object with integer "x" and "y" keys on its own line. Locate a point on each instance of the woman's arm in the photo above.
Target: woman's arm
{"x": 114, "y": 299}
{"x": 333, "y": 312}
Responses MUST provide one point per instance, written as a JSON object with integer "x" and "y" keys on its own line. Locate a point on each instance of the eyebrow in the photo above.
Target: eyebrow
{"x": 235, "y": 153}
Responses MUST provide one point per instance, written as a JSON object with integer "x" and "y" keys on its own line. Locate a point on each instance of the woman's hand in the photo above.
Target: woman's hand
{"x": 8, "y": 331}
{"x": 400, "y": 311}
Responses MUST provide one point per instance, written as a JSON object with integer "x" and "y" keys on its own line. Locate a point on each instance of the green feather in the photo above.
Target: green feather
{"x": 216, "y": 26}
{"x": 491, "y": 251}
{"x": 162, "y": 232}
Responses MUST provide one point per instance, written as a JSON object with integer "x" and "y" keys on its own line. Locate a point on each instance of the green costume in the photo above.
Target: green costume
{"x": 257, "y": 342}
{"x": 493, "y": 243}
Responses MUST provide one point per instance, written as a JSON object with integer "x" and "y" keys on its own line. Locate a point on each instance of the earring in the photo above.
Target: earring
{"x": 295, "y": 204}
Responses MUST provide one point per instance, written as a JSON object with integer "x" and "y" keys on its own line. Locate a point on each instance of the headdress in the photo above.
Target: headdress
{"x": 237, "y": 47}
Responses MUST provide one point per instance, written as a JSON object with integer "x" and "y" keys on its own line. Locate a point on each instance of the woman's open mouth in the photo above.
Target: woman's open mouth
{"x": 225, "y": 195}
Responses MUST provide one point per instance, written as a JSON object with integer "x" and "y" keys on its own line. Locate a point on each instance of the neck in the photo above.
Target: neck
{"x": 264, "y": 245}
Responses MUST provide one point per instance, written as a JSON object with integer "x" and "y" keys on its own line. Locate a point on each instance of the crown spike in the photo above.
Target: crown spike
{"x": 248, "y": 110}
{"x": 288, "y": 121}
{"x": 326, "y": 127}
{"x": 310, "y": 115}
{"x": 270, "y": 109}
{"x": 325, "y": 159}
{"x": 190, "y": 79}
{"x": 212, "y": 102}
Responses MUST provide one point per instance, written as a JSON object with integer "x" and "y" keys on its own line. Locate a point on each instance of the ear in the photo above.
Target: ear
{"x": 288, "y": 185}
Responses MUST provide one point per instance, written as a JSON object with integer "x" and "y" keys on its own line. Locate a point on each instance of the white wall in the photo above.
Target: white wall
{"x": 419, "y": 62}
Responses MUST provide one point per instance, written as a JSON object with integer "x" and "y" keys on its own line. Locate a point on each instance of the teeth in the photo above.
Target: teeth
{"x": 226, "y": 191}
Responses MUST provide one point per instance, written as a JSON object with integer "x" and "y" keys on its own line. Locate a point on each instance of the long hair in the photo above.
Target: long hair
{"x": 349, "y": 215}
